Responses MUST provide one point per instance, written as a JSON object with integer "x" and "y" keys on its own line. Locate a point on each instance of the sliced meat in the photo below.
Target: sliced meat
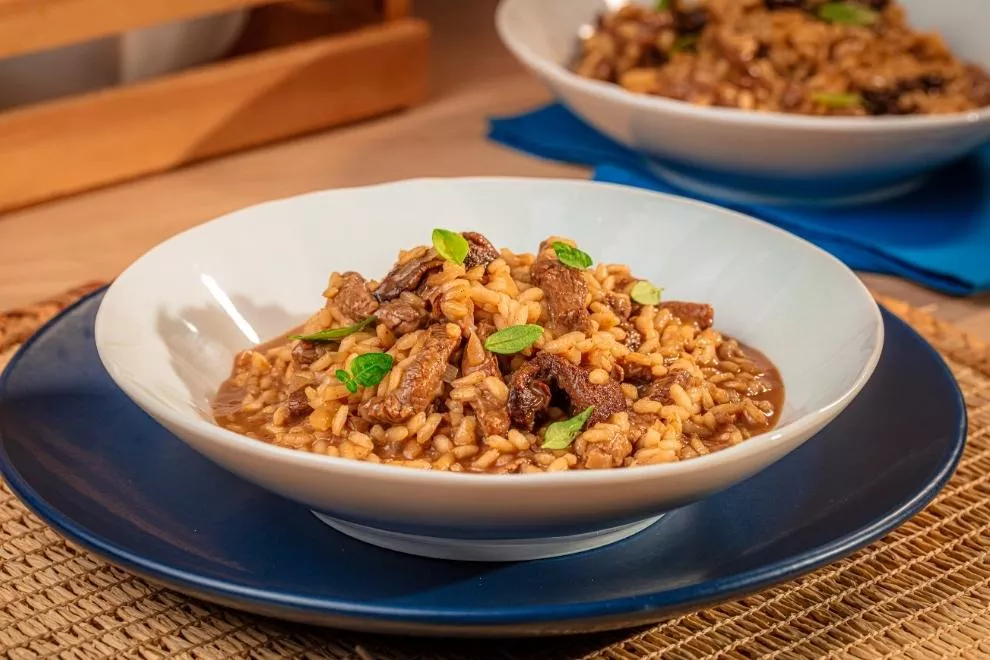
{"x": 298, "y": 404}
{"x": 306, "y": 353}
{"x": 701, "y": 314}
{"x": 566, "y": 294}
{"x": 481, "y": 252}
{"x": 660, "y": 388}
{"x": 885, "y": 102}
{"x": 408, "y": 276}
{"x": 619, "y": 303}
{"x": 492, "y": 414}
{"x": 421, "y": 382}
{"x": 636, "y": 372}
{"x": 402, "y": 317}
{"x": 353, "y": 298}
{"x": 430, "y": 294}
{"x": 528, "y": 395}
{"x": 634, "y": 338}
{"x": 529, "y": 392}
{"x": 485, "y": 329}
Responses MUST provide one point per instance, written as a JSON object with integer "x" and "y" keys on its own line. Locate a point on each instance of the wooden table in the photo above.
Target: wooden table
{"x": 57, "y": 245}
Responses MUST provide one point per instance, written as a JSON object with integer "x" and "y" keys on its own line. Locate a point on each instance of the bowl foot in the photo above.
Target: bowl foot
{"x": 782, "y": 195}
{"x": 485, "y": 549}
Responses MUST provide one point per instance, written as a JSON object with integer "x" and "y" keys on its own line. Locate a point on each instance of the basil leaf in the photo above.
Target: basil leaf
{"x": 560, "y": 435}
{"x": 685, "y": 42}
{"x": 661, "y": 5}
{"x": 450, "y": 245}
{"x": 370, "y": 368}
{"x": 346, "y": 380}
{"x": 571, "y": 256}
{"x": 837, "y": 99}
{"x": 513, "y": 339}
{"x": 333, "y": 334}
{"x": 848, "y": 13}
{"x": 645, "y": 293}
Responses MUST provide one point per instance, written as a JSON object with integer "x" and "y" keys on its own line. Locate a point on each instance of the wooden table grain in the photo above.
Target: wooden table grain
{"x": 54, "y": 246}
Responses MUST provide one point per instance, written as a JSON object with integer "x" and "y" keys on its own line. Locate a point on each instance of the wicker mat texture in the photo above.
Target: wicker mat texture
{"x": 921, "y": 592}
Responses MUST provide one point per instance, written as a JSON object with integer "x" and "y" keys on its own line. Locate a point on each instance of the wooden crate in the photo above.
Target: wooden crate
{"x": 299, "y": 67}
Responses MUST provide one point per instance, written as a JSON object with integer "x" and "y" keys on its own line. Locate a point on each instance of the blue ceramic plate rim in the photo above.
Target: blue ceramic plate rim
{"x": 684, "y": 597}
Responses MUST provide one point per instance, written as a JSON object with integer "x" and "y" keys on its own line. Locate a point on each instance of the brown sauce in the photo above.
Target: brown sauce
{"x": 230, "y": 413}
{"x": 775, "y": 394}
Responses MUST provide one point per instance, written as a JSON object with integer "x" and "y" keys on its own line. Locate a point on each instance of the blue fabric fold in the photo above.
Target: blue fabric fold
{"x": 937, "y": 236}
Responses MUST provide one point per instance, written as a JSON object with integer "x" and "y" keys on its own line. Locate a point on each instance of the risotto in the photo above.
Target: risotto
{"x": 470, "y": 359}
{"x": 813, "y": 57}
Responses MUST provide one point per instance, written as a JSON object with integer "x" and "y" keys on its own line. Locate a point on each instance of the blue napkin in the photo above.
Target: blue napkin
{"x": 938, "y": 236}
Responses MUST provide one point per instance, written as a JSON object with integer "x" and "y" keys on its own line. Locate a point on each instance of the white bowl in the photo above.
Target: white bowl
{"x": 169, "y": 327}
{"x": 752, "y": 157}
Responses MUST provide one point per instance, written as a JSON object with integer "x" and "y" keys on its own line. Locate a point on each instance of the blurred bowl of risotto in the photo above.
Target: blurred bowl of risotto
{"x": 769, "y": 101}
{"x": 489, "y": 369}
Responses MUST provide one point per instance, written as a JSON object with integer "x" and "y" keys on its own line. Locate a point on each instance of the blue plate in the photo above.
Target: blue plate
{"x": 102, "y": 473}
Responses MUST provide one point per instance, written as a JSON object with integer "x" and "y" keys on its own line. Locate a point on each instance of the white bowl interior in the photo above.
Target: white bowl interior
{"x": 549, "y": 27}
{"x": 172, "y": 323}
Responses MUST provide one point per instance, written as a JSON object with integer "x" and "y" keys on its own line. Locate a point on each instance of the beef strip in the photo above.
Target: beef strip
{"x": 353, "y": 298}
{"x": 430, "y": 294}
{"x": 886, "y": 102}
{"x": 529, "y": 391}
{"x": 421, "y": 382}
{"x": 660, "y": 389}
{"x": 485, "y": 329}
{"x": 407, "y": 276}
{"x": 481, "y": 252}
{"x": 634, "y": 338}
{"x": 492, "y": 414}
{"x": 689, "y": 16}
{"x": 402, "y": 317}
{"x": 636, "y": 372}
{"x": 619, "y": 303}
{"x": 306, "y": 353}
{"x": 528, "y": 395}
{"x": 701, "y": 314}
{"x": 298, "y": 404}
{"x": 566, "y": 294}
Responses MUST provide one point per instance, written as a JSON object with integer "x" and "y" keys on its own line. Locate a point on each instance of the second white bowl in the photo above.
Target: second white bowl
{"x": 753, "y": 157}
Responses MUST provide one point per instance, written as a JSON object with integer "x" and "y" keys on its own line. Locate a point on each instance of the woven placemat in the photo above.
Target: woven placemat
{"x": 921, "y": 592}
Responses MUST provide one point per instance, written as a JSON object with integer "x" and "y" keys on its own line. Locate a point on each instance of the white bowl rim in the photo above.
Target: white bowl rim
{"x": 754, "y": 445}
{"x": 738, "y": 116}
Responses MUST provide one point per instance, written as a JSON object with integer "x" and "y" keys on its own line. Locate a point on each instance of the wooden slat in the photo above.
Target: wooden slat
{"x": 394, "y": 9}
{"x": 31, "y": 25}
{"x": 68, "y": 146}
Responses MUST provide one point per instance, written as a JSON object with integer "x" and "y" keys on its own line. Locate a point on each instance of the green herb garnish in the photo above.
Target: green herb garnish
{"x": 513, "y": 339}
{"x": 848, "y": 13}
{"x": 837, "y": 99}
{"x": 661, "y": 5}
{"x": 346, "y": 380}
{"x": 560, "y": 435}
{"x": 333, "y": 334}
{"x": 450, "y": 245}
{"x": 367, "y": 370}
{"x": 571, "y": 256}
{"x": 685, "y": 42}
{"x": 645, "y": 293}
